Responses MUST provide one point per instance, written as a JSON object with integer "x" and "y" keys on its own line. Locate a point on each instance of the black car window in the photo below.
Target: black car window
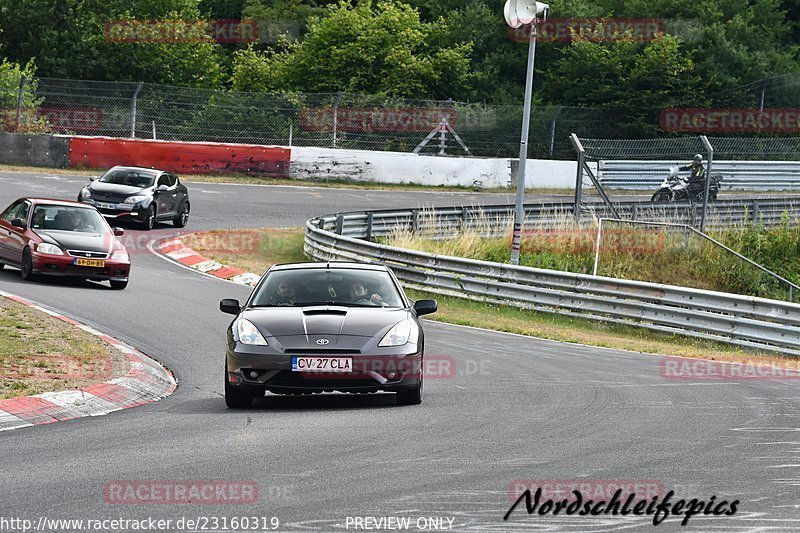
{"x": 337, "y": 286}
{"x": 172, "y": 179}
{"x": 163, "y": 180}
{"x": 130, "y": 177}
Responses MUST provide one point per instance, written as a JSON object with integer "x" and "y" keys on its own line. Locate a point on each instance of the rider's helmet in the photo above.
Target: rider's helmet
{"x": 697, "y": 159}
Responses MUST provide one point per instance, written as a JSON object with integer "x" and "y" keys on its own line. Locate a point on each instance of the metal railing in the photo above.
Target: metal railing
{"x": 741, "y": 320}
{"x": 740, "y": 175}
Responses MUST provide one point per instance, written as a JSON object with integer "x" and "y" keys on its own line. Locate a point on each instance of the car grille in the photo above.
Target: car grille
{"x": 87, "y": 254}
{"x": 313, "y": 351}
{"x": 111, "y": 199}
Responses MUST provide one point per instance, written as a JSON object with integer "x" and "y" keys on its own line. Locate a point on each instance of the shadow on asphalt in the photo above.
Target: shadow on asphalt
{"x": 321, "y": 402}
{"x": 10, "y": 275}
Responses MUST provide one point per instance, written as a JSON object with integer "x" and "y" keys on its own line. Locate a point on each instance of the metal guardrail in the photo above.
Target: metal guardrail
{"x": 739, "y": 175}
{"x": 741, "y": 320}
{"x": 494, "y": 220}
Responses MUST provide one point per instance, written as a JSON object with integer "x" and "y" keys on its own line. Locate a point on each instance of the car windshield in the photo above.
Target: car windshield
{"x": 67, "y": 218}
{"x": 336, "y": 286}
{"x": 127, "y": 176}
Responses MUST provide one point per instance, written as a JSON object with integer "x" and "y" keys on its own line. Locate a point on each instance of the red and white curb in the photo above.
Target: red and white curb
{"x": 177, "y": 251}
{"x": 146, "y": 381}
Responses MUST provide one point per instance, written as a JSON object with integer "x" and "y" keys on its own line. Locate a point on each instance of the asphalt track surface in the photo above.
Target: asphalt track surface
{"x": 515, "y": 408}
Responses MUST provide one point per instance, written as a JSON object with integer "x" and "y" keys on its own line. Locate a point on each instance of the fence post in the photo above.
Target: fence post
{"x": 19, "y": 103}
{"x": 553, "y": 129}
{"x": 576, "y": 143}
{"x": 133, "y": 109}
{"x": 336, "y": 116}
{"x": 710, "y": 150}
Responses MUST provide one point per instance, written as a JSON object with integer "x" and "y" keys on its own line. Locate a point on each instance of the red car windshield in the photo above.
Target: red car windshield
{"x": 67, "y": 218}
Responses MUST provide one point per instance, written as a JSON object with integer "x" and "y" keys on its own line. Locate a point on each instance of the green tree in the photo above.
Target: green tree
{"x": 67, "y": 40}
{"x": 385, "y": 49}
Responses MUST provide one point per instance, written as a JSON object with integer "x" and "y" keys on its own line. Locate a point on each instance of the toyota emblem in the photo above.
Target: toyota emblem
{"x": 322, "y": 342}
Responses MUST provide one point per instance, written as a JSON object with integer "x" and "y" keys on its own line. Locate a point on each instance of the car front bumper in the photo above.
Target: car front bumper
{"x": 257, "y": 373}
{"x": 64, "y": 265}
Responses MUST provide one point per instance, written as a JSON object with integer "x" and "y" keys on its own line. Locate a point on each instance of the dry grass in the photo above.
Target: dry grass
{"x": 39, "y": 353}
{"x": 250, "y": 250}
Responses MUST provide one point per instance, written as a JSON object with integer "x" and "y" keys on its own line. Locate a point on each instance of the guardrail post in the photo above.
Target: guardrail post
{"x": 321, "y": 223}
{"x": 339, "y": 224}
{"x": 414, "y": 221}
{"x": 464, "y": 217}
{"x": 369, "y": 225}
{"x": 635, "y": 213}
{"x": 756, "y": 213}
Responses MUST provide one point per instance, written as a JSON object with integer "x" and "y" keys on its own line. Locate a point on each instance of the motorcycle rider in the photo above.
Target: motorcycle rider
{"x": 697, "y": 180}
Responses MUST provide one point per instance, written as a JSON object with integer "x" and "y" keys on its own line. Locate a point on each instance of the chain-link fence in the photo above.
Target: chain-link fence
{"x": 343, "y": 120}
{"x": 340, "y": 120}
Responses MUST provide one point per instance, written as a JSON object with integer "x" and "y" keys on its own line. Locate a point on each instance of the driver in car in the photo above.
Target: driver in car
{"x": 358, "y": 292}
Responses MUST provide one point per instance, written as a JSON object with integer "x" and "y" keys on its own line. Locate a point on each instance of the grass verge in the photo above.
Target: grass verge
{"x": 286, "y": 245}
{"x": 39, "y": 353}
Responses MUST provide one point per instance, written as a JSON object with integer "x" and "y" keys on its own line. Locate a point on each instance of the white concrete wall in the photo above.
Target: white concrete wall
{"x": 393, "y": 167}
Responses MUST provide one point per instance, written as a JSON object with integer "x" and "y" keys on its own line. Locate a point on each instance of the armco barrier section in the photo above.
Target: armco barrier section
{"x": 174, "y": 156}
{"x": 736, "y": 175}
{"x": 34, "y": 150}
{"x": 741, "y": 320}
{"x": 495, "y": 220}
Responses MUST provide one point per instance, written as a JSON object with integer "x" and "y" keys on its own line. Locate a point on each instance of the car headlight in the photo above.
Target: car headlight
{"x": 135, "y": 199}
{"x": 47, "y": 248}
{"x": 120, "y": 255}
{"x": 400, "y": 333}
{"x": 249, "y": 334}
{"x": 85, "y": 193}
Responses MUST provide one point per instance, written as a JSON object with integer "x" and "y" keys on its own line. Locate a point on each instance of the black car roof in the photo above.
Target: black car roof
{"x": 330, "y": 264}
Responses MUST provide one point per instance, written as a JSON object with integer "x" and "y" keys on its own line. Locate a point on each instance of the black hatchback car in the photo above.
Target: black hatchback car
{"x": 142, "y": 195}
{"x": 324, "y": 327}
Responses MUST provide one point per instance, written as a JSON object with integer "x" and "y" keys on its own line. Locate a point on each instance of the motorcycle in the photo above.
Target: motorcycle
{"x": 675, "y": 188}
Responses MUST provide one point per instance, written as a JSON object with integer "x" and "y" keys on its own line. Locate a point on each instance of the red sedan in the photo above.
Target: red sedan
{"x": 60, "y": 238}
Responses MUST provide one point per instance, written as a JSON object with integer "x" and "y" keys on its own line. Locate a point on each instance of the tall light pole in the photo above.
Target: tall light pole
{"x": 520, "y": 13}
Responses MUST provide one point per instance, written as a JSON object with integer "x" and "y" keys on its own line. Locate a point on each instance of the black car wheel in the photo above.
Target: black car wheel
{"x": 411, "y": 396}
{"x": 150, "y": 218}
{"x": 118, "y": 285}
{"x": 183, "y": 216}
{"x": 26, "y": 269}
{"x": 234, "y": 398}
{"x": 660, "y": 197}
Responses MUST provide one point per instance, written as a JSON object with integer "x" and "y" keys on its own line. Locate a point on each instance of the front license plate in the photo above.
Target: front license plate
{"x": 322, "y": 364}
{"x": 105, "y": 205}
{"x": 99, "y": 263}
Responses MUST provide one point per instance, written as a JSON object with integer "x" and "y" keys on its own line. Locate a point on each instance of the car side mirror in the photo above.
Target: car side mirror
{"x": 119, "y": 232}
{"x": 425, "y": 307}
{"x": 94, "y": 178}
{"x": 162, "y": 187}
{"x": 230, "y": 306}
{"x": 18, "y": 222}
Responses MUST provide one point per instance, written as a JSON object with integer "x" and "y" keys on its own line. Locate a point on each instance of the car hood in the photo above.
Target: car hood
{"x": 116, "y": 189}
{"x": 75, "y": 240}
{"x": 324, "y": 320}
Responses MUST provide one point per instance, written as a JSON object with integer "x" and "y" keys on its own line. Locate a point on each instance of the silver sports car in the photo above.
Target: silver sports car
{"x": 323, "y": 327}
